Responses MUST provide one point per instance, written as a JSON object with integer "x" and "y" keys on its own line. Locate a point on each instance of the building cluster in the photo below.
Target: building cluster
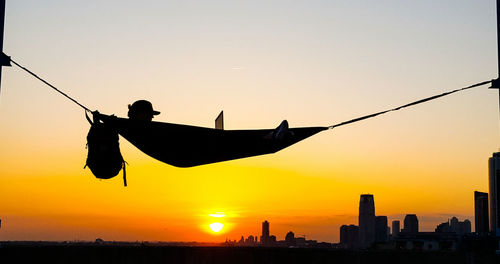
{"x": 268, "y": 240}
{"x": 455, "y": 226}
{"x": 487, "y": 205}
{"x": 373, "y": 231}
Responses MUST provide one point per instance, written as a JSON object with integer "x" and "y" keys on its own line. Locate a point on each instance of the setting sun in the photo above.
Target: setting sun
{"x": 216, "y": 227}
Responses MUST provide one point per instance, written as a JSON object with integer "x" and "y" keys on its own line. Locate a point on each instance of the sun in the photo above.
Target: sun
{"x": 216, "y": 227}
{"x": 217, "y": 222}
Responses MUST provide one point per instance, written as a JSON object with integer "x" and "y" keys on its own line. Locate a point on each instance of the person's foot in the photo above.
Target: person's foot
{"x": 282, "y": 130}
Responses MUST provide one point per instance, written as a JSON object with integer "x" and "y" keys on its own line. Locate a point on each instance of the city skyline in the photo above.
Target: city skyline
{"x": 260, "y": 62}
{"x": 381, "y": 231}
{"x": 280, "y": 236}
{"x": 373, "y": 231}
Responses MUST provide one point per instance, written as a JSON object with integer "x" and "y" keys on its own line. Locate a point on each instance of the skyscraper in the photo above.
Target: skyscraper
{"x": 349, "y": 236}
{"x": 481, "y": 212}
{"x": 395, "y": 228}
{"x": 264, "y": 239}
{"x": 366, "y": 220}
{"x": 410, "y": 224}
{"x": 494, "y": 182}
{"x": 381, "y": 234}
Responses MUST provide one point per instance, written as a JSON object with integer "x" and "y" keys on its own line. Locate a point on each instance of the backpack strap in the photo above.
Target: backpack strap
{"x": 88, "y": 118}
{"x": 124, "y": 174}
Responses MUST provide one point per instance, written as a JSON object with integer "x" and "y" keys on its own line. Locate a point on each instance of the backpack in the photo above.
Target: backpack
{"x": 104, "y": 158}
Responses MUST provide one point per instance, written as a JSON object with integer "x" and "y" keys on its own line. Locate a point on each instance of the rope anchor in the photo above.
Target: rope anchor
{"x": 5, "y": 60}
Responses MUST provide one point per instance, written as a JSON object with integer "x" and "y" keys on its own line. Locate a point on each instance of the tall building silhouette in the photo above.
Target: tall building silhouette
{"x": 381, "y": 229}
{"x": 264, "y": 239}
{"x": 366, "y": 220}
{"x": 494, "y": 182}
{"x": 395, "y": 228}
{"x": 349, "y": 236}
{"x": 410, "y": 224}
{"x": 481, "y": 212}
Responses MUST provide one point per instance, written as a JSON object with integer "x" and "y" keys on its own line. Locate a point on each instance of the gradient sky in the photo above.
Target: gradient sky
{"x": 310, "y": 62}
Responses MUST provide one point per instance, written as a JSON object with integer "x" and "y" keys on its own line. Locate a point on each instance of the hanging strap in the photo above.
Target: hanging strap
{"x": 124, "y": 174}
{"x": 408, "y": 105}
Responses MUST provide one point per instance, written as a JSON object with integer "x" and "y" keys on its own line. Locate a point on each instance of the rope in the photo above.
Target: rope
{"x": 51, "y": 86}
{"x": 407, "y": 105}
{"x": 330, "y": 127}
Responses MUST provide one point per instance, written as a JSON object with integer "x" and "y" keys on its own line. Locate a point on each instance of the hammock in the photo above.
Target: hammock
{"x": 188, "y": 146}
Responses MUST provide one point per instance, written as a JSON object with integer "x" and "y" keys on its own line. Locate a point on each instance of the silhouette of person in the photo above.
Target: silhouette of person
{"x": 141, "y": 110}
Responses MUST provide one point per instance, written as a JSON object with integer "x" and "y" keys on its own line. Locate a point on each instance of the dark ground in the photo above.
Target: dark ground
{"x": 92, "y": 253}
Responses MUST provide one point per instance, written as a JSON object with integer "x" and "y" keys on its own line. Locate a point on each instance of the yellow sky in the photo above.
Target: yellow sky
{"x": 309, "y": 62}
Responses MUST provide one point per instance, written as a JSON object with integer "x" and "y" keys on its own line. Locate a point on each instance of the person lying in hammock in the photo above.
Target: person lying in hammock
{"x": 143, "y": 110}
{"x": 186, "y": 145}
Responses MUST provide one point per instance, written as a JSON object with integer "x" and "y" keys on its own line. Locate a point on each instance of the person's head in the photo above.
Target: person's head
{"x": 142, "y": 110}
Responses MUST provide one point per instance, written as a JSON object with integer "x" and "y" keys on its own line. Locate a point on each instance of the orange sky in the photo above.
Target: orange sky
{"x": 309, "y": 62}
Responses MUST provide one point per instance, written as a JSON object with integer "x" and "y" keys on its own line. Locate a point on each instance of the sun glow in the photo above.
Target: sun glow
{"x": 216, "y": 227}
{"x": 218, "y": 215}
